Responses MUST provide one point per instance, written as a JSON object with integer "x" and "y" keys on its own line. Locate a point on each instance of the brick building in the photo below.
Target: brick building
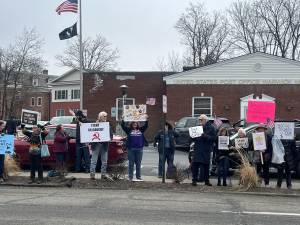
{"x": 224, "y": 88}
{"x": 102, "y": 93}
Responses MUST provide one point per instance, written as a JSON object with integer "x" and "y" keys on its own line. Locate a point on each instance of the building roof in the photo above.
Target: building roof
{"x": 255, "y": 68}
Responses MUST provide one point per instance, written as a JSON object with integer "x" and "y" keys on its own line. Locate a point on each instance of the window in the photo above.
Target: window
{"x": 60, "y": 112}
{"x": 119, "y": 106}
{"x": 39, "y": 101}
{"x": 35, "y": 82}
{"x": 202, "y": 105}
{"x": 61, "y": 94}
{"x": 33, "y": 101}
{"x": 75, "y": 94}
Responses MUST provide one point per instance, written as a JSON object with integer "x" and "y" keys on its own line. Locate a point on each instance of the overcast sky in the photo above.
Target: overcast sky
{"x": 142, "y": 30}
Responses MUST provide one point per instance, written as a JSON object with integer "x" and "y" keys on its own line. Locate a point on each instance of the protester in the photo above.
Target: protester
{"x": 169, "y": 141}
{"x": 222, "y": 157}
{"x": 202, "y": 150}
{"x": 61, "y": 144}
{"x": 82, "y": 150}
{"x": 263, "y": 164}
{"x": 11, "y": 126}
{"x": 102, "y": 148}
{"x": 2, "y": 156}
{"x": 36, "y": 137}
{"x": 135, "y": 144}
{"x": 285, "y": 168}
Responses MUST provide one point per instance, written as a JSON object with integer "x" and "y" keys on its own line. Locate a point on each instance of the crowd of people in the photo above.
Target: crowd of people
{"x": 205, "y": 146}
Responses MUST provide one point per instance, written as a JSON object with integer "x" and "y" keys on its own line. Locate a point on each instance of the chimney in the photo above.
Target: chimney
{"x": 187, "y": 68}
{"x": 45, "y": 72}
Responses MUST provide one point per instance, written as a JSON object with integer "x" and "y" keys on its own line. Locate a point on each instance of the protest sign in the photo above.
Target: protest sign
{"x": 241, "y": 143}
{"x": 195, "y": 131}
{"x": 260, "y": 111}
{"x": 135, "y": 113}
{"x": 94, "y": 132}
{"x": 223, "y": 143}
{"x": 29, "y": 117}
{"x": 285, "y": 130}
{"x": 7, "y": 144}
{"x": 259, "y": 141}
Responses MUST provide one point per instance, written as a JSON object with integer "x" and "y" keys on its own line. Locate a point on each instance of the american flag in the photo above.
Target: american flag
{"x": 217, "y": 121}
{"x": 68, "y": 6}
{"x": 270, "y": 123}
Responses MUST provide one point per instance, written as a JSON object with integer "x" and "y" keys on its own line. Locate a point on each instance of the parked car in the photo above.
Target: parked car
{"x": 183, "y": 125}
{"x": 117, "y": 152}
{"x": 62, "y": 120}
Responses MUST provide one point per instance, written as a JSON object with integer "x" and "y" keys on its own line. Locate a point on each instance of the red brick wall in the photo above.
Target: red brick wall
{"x": 144, "y": 85}
{"x": 63, "y": 105}
{"x": 226, "y": 99}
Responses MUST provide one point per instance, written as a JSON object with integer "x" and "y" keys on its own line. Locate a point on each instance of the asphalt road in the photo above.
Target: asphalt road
{"x": 39, "y": 206}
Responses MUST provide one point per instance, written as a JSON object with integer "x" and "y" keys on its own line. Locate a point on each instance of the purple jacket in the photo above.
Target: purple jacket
{"x": 60, "y": 142}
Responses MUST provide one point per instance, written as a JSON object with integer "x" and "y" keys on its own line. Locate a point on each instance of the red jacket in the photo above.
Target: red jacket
{"x": 60, "y": 142}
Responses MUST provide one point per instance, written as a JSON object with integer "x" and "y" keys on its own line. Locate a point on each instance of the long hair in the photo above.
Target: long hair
{"x": 169, "y": 125}
{"x": 221, "y": 131}
{"x": 137, "y": 125}
{"x": 58, "y": 128}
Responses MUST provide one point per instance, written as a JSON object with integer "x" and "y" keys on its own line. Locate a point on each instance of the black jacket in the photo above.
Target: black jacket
{"x": 220, "y": 153}
{"x": 159, "y": 137}
{"x": 204, "y": 144}
{"x": 128, "y": 130}
{"x": 290, "y": 153}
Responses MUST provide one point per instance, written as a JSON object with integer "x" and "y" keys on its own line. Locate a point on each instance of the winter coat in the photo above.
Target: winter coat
{"x": 61, "y": 141}
{"x": 128, "y": 130}
{"x": 35, "y": 140}
{"x": 220, "y": 153}
{"x": 204, "y": 144}
{"x": 159, "y": 137}
{"x": 290, "y": 153}
{"x": 267, "y": 154}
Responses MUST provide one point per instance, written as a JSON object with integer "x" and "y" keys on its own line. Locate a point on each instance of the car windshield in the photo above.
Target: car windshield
{"x": 181, "y": 123}
{"x": 68, "y": 130}
{"x": 61, "y": 120}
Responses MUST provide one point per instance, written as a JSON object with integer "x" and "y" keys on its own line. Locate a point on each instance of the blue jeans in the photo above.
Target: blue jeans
{"x": 82, "y": 152}
{"x": 101, "y": 148}
{"x": 169, "y": 157}
{"x": 223, "y": 167}
{"x": 135, "y": 156}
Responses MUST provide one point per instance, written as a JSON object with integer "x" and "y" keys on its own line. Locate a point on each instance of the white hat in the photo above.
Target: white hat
{"x": 203, "y": 117}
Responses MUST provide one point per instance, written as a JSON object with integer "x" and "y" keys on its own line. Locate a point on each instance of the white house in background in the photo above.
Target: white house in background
{"x": 65, "y": 93}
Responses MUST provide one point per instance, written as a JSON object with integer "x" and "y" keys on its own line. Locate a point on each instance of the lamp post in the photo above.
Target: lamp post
{"x": 123, "y": 88}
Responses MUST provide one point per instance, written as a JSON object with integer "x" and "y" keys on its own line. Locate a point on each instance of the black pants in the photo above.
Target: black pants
{"x": 2, "y": 157}
{"x": 284, "y": 168}
{"x": 195, "y": 171}
{"x": 266, "y": 171}
{"x": 36, "y": 165}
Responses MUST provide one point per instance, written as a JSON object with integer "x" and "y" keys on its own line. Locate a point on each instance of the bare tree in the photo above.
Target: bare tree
{"x": 98, "y": 54}
{"x": 205, "y": 35}
{"x": 17, "y": 63}
{"x": 173, "y": 63}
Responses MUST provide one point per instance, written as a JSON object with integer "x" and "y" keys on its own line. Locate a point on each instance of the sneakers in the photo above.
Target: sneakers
{"x": 208, "y": 184}
{"x": 106, "y": 177}
{"x": 194, "y": 183}
{"x": 92, "y": 176}
{"x": 2, "y": 180}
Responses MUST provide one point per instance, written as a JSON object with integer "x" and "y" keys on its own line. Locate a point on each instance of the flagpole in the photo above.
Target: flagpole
{"x": 81, "y": 56}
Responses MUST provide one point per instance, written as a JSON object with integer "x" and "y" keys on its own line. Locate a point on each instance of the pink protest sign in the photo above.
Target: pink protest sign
{"x": 260, "y": 111}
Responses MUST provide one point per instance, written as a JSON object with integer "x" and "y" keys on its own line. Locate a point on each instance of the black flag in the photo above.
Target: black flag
{"x": 68, "y": 32}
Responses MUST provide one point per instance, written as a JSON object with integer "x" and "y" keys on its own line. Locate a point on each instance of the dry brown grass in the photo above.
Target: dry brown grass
{"x": 117, "y": 172}
{"x": 10, "y": 166}
{"x": 248, "y": 175}
{"x": 180, "y": 174}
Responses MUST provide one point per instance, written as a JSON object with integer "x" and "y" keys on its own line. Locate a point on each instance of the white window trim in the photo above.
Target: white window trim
{"x": 211, "y": 104}
{"x": 37, "y": 102}
{"x": 64, "y": 99}
{"x": 35, "y": 82}
{"x": 72, "y": 91}
{"x": 33, "y": 101}
{"x": 117, "y": 109}
{"x": 60, "y": 110}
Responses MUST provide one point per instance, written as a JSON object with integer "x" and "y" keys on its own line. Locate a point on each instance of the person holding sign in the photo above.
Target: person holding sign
{"x": 2, "y": 156}
{"x": 262, "y": 145}
{"x": 222, "y": 155}
{"x": 135, "y": 143}
{"x": 36, "y": 137}
{"x": 61, "y": 145}
{"x": 202, "y": 150}
{"x": 102, "y": 148}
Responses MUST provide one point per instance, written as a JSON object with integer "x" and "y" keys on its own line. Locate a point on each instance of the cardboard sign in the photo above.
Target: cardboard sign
{"x": 260, "y": 111}
{"x": 29, "y": 117}
{"x": 7, "y": 144}
{"x": 195, "y": 131}
{"x": 285, "y": 130}
{"x": 259, "y": 141}
{"x": 223, "y": 142}
{"x": 135, "y": 113}
{"x": 94, "y": 132}
{"x": 241, "y": 143}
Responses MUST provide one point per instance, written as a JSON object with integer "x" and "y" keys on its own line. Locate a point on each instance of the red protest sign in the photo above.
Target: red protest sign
{"x": 260, "y": 111}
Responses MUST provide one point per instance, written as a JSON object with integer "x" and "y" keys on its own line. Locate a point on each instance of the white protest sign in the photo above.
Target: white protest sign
{"x": 223, "y": 142}
{"x": 259, "y": 141}
{"x": 241, "y": 143}
{"x": 94, "y": 132}
{"x": 285, "y": 130}
{"x": 135, "y": 113}
{"x": 195, "y": 131}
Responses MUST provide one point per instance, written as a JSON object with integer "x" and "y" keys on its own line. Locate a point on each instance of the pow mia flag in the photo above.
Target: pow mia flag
{"x": 68, "y": 32}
